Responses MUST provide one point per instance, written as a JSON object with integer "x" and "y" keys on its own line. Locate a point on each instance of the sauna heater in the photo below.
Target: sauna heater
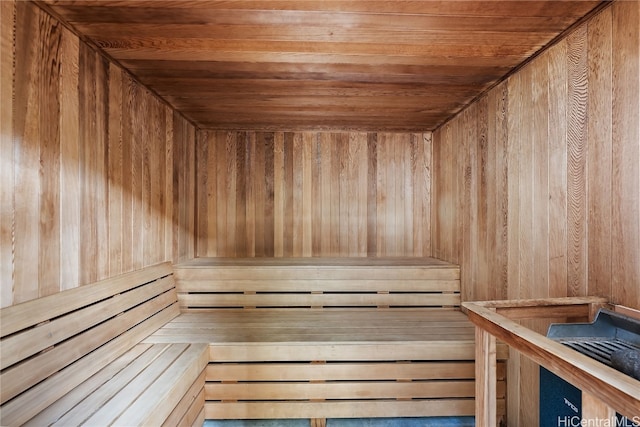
{"x": 612, "y": 337}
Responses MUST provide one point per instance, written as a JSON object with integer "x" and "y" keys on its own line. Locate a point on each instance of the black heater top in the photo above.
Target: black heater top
{"x": 613, "y": 339}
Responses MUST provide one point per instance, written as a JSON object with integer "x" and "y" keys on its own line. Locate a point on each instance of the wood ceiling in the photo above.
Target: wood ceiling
{"x": 361, "y": 64}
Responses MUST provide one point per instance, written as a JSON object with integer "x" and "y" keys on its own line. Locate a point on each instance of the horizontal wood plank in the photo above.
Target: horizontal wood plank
{"x": 20, "y": 316}
{"x": 348, "y": 409}
{"x": 318, "y": 300}
{"x": 320, "y": 285}
{"x": 342, "y": 371}
{"x": 20, "y": 346}
{"x": 163, "y": 395}
{"x": 20, "y": 410}
{"x": 340, "y": 390}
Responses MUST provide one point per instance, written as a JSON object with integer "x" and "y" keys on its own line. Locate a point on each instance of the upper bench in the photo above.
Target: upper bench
{"x": 215, "y": 283}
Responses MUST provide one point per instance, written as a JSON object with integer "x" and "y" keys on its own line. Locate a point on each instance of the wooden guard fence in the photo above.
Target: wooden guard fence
{"x": 605, "y": 391}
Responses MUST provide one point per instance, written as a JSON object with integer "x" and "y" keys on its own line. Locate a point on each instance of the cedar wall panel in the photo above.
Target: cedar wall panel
{"x": 97, "y": 175}
{"x": 537, "y": 185}
{"x": 302, "y": 194}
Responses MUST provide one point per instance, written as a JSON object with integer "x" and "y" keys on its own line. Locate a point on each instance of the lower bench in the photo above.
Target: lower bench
{"x": 329, "y": 338}
{"x": 334, "y": 363}
{"x": 151, "y": 385}
{"x": 74, "y": 358}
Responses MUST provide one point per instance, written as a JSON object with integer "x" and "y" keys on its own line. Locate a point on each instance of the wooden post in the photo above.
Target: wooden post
{"x": 486, "y": 377}
{"x": 595, "y": 411}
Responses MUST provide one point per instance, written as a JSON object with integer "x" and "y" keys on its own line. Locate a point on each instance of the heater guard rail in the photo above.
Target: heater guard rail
{"x": 605, "y": 391}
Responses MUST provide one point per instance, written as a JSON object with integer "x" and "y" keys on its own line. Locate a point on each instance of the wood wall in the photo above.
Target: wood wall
{"x": 537, "y": 185}
{"x": 266, "y": 194}
{"x": 97, "y": 175}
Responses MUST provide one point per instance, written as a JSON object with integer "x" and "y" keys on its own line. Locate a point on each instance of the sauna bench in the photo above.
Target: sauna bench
{"x": 328, "y": 338}
{"x": 75, "y": 358}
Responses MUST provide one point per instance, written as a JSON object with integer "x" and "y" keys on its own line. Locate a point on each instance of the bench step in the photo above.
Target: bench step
{"x": 142, "y": 387}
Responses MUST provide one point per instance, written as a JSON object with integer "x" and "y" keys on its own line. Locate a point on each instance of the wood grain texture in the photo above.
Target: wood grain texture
{"x": 279, "y": 65}
{"x": 625, "y": 155}
{"x": 564, "y": 174}
{"x": 320, "y": 194}
{"x": 7, "y": 143}
{"x": 87, "y": 156}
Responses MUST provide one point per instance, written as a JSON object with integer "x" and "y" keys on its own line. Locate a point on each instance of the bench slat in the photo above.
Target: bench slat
{"x": 323, "y": 285}
{"x": 109, "y": 412}
{"x": 340, "y": 390}
{"x": 304, "y": 352}
{"x": 20, "y": 410}
{"x": 21, "y": 346}
{"x": 339, "y": 371}
{"x": 184, "y": 410}
{"x": 166, "y": 392}
{"x": 311, "y": 300}
{"x": 20, "y": 316}
{"x": 345, "y": 409}
{"x": 20, "y": 377}
{"x": 81, "y": 395}
{"x": 315, "y": 273}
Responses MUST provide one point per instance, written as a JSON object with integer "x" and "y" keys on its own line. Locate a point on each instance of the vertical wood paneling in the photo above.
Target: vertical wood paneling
{"x": 115, "y": 170}
{"x": 577, "y": 162}
{"x": 87, "y": 156}
{"x": 26, "y": 132}
{"x": 7, "y": 139}
{"x": 49, "y": 106}
{"x": 565, "y": 175}
{"x": 599, "y": 154}
{"x": 313, "y": 194}
{"x": 625, "y": 254}
{"x": 557, "y": 137}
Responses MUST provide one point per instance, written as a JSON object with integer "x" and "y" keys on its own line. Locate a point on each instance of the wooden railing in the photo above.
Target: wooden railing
{"x": 605, "y": 391}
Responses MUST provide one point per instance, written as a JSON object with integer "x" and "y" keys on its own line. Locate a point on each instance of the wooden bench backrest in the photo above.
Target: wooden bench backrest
{"x": 207, "y": 283}
{"x": 52, "y": 344}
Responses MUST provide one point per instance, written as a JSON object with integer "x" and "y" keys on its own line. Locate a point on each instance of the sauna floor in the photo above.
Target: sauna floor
{"x": 317, "y": 326}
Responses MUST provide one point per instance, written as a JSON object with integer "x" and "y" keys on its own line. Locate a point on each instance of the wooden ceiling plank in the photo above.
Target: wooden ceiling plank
{"x": 470, "y": 8}
{"x": 303, "y": 64}
{"x": 79, "y": 16}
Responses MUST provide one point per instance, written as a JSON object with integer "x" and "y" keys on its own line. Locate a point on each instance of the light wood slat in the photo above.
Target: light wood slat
{"x": 309, "y": 285}
{"x": 392, "y": 336}
{"x": 328, "y": 261}
{"x": 293, "y": 300}
{"x": 20, "y": 377}
{"x": 38, "y": 397}
{"x": 109, "y": 412}
{"x": 193, "y": 400}
{"x": 339, "y": 371}
{"x": 195, "y": 413}
{"x": 349, "y": 409}
{"x": 595, "y": 409}
{"x": 71, "y": 399}
{"x": 200, "y": 418}
{"x": 346, "y": 318}
{"x": 161, "y": 397}
{"x": 20, "y": 316}
{"x": 339, "y": 390}
{"x": 429, "y": 350}
{"x": 82, "y": 411}
{"x": 486, "y": 375}
{"x": 351, "y": 273}
{"x": 18, "y": 347}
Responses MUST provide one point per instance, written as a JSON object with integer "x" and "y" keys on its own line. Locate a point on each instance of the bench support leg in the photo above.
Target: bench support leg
{"x": 485, "y": 379}
{"x": 318, "y": 422}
